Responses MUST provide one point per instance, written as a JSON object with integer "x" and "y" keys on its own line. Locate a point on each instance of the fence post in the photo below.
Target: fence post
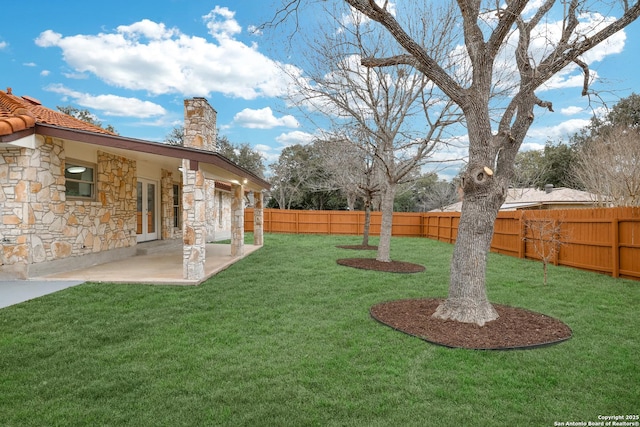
{"x": 521, "y": 235}
{"x": 555, "y": 240}
{"x": 615, "y": 247}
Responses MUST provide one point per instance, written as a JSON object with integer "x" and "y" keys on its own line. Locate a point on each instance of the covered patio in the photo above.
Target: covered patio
{"x": 155, "y": 263}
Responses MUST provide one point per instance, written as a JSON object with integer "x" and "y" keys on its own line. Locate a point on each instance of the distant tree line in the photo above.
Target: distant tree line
{"x": 304, "y": 178}
{"x": 241, "y": 154}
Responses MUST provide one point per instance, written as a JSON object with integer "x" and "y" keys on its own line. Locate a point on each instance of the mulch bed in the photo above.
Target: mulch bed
{"x": 389, "y": 267}
{"x": 359, "y": 247}
{"x": 516, "y": 328}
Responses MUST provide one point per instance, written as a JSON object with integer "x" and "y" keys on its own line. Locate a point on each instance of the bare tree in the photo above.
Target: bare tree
{"x": 609, "y": 166}
{"x": 541, "y": 39}
{"x": 546, "y": 237}
{"x": 353, "y": 171}
{"x": 290, "y": 175}
{"x": 441, "y": 194}
{"x": 376, "y": 108}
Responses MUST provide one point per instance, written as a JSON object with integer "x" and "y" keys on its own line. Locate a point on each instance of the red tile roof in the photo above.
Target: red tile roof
{"x": 23, "y": 112}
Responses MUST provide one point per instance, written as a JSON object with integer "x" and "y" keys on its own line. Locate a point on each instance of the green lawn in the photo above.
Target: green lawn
{"x": 284, "y": 338}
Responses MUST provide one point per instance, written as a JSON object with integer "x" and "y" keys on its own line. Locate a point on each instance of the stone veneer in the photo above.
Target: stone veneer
{"x": 237, "y": 221}
{"x": 193, "y": 222}
{"x": 39, "y": 224}
{"x": 168, "y": 231}
{"x": 218, "y": 213}
{"x": 258, "y": 219}
{"x": 199, "y": 124}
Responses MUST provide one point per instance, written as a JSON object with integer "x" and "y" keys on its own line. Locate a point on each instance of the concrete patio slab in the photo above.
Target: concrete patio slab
{"x": 155, "y": 268}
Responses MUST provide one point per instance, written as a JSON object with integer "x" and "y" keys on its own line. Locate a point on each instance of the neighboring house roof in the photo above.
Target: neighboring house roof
{"x": 23, "y": 116}
{"x": 522, "y": 198}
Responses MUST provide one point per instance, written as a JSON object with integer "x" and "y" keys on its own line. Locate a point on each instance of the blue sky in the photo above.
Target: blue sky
{"x": 133, "y": 62}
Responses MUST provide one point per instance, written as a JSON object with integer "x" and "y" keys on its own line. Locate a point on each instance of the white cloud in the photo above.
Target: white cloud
{"x": 295, "y": 137}
{"x": 571, "y": 111}
{"x": 148, "y": 29}
{"x": 256, "y": 31}
{"x": 542, "y": 134}
{"x": 111, "y": 105}
{"x": 270, "y": 154}
{"x": 570, "y": 77}
{"x": 226, "y": 27}
{"x": 3, "y": 45}
{"x": 148, "y": 56}
{"x": 76, "y": 76}
{"x": 45, "y": 73}
{"x": 529, "y": 146}
{"x": 263, "y": 119}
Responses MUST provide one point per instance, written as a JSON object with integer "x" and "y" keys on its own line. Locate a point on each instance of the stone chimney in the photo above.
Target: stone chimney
{"x": 199, "y": 124}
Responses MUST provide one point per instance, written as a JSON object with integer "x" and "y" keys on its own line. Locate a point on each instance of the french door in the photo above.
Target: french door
{"x": 147, "y": 210}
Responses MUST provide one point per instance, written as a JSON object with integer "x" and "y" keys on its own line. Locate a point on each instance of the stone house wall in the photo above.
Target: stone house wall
{"x": 166, "y": 207}
{"x": 39, "y": 224}
{"x": 223, "y": 225}
{"x": 218, "y": 206}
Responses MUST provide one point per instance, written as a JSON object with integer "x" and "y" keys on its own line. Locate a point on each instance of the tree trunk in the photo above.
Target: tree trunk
{"x": 467, "y": 300}
{"x": 367, "y": 223}
{"x": 351, "y": 201}
{"x": 384, "y": 247}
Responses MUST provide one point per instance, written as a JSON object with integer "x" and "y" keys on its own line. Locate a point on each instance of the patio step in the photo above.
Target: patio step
{"x": 158, "y": 246}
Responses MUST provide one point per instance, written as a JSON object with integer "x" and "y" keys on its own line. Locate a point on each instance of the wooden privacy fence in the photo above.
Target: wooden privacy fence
{"x": 605, "y": 240}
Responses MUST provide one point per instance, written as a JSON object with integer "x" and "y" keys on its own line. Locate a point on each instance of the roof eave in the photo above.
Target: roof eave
{"x": 17, "y": 135}
{"x": 116, "y": 141}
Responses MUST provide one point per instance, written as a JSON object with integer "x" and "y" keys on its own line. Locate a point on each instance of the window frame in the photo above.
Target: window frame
{"x": 74, "y": 162}
{"x": 177, "y": 208}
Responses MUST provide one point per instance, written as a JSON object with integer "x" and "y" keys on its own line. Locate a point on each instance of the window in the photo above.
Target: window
{"x": 177, "y": 206}
{"x": 80, "y": 180}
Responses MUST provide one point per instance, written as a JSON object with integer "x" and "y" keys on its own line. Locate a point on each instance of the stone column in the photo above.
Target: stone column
{"x": 258, "y": 219}
{"x": 194, "y": 222}
{"x": 237, "y": 220}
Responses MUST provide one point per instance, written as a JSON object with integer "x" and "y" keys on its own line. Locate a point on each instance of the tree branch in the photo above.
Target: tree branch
{"x": 423, "y": 61}
{"x": 561, "y": 57}
{"x": 585, "y": 70}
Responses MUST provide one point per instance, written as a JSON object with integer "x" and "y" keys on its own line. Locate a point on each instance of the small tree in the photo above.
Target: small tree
{"x": 353, "y": 171}
{"x": 546, "y": 237}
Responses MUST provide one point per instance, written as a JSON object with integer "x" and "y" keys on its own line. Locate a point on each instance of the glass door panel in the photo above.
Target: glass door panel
{"x": 151, "y": 208}
{"x": 146, "y": 210}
